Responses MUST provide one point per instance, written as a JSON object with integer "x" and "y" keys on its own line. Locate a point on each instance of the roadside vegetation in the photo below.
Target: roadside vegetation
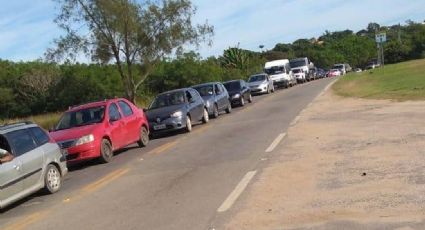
{"x": 402, "y": 81}
{"x": 51, "y": 85}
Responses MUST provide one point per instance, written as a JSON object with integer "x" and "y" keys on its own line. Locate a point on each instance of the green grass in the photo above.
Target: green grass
{"x": 401, "y": 82}
{"x": 47, "y": 121}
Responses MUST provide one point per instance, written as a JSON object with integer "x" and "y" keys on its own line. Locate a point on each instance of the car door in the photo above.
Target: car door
{"x": 10, "y": 185}
{"x": 199, "y": 103}
{"x": 30, "y": 156}
{"x": 245, "y": 90}
{"x": 220, "y": 97}
{"x": 116, "y": 125}
{"x": 131, "y": 122}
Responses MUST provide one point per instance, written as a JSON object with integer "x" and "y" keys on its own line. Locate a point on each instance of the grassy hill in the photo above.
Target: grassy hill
{"x": 400, "y": 82}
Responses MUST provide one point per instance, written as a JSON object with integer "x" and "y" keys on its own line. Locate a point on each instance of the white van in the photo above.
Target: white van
{"x": 280, "y": 73}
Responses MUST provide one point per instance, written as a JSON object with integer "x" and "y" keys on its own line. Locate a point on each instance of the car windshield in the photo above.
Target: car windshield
{"x": 81, "y": 117}
{"x": 257, "y": 78}
{"x": 205, "y": 90}
{"x": 338, "y": 66}
{"x": 297, "y": 63}
{"x": 232, "y": 86}
{"x": 168, "y": 99}
{"x": 274, "y": 70}
{"x": 296, "y": 71}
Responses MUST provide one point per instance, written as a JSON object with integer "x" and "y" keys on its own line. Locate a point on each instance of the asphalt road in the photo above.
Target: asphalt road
{"x": 182, "y": 181}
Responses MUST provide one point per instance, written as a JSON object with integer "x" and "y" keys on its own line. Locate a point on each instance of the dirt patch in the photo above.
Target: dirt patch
{"x": 347, "y": 164}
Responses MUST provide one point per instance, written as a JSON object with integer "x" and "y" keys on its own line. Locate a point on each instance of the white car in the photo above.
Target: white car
{"x": 299, "y": 75}
{"x": 260, "y": 83}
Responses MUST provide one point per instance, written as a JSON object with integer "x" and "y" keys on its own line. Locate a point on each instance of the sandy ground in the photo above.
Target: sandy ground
{"x": 347, "y": 164}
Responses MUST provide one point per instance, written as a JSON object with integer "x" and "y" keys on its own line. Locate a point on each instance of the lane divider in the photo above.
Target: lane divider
{"x": 276, "y": 141}
{"x": 105, "y": 180}
{"x": 27, "y": 221}
{"x": 163, "y": 147}
{"x": 227, "y": 204}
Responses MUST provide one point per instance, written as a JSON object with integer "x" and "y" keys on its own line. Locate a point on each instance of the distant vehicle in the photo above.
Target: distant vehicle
{"x": 176, "y": 110}
{"x": 280, "y": 72}
{"x": 299, "y": 75}
{"x": 29, "y": 161}
{"x": 96, "y": 130}
{"x": 358, "y": 70}
{"x": 321, "y": 73}
{"x": 344, "y": 68}
{"x": 372, "y": 66}
{"x": 334, "y": 73}
{"x": 216, "y": 98}
{"x": 260, "y": 83}
{"x": 305, "y": 65}
{"x": 239, "y": 92}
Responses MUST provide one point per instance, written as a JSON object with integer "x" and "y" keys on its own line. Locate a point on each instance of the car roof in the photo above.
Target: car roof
{"x": 16, "y": 126}
{"x": 232, "y": 81}
{"x": 174, "y": 90}
{"x": 205, "y": 84}
{"x": 94, "y": 104}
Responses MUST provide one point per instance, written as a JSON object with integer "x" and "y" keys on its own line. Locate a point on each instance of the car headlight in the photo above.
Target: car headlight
{"x": 237, "y": 95}
{"x": 84, "y": 140}
{"x": 177, "y": 114}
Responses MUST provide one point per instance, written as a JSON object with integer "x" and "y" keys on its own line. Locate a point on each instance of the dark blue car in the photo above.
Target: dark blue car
{"x": 216, "y": 98}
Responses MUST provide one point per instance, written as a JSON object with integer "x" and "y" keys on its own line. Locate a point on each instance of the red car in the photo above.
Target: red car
{"x": 97, "y": 129}
{"x": 334, "y": 73}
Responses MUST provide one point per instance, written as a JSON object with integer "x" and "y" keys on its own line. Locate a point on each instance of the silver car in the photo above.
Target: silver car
{"x": 29, "y": 161}
{"x": 260, "y": 83}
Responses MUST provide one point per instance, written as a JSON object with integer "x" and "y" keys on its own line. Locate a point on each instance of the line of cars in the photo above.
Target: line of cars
{"x": 31, "y": 158}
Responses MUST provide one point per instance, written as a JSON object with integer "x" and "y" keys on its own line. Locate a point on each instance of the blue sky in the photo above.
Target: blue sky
{"x": 27, "y": 28}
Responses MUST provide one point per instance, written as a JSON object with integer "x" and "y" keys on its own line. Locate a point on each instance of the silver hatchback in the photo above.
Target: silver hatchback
{"x": 29, "y": 161}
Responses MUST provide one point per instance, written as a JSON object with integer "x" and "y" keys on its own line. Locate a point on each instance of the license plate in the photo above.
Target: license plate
{"x": 159, "y": 127}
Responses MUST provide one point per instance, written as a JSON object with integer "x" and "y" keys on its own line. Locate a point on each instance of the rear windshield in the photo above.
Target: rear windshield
{"x": 257, "y": 78}
{"x": 232, "y": 86}
{"x": 81, "y": 117}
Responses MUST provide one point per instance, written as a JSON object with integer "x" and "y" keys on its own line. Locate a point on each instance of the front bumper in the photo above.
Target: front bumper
{"x": 280, "y": 82}
{"x": 259, "y": 89}
{"x": 83, "y": 152}
{"x": 169, "y": 124}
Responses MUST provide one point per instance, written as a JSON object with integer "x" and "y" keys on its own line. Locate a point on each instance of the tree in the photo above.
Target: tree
{"x": 235, "y": 58}
{"x": 135, "y": 35}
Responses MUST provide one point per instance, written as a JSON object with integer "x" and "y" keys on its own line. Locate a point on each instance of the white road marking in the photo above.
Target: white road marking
{"x": 236, "y": 192}
{"x": 295, "y": 121}
{"x": 275, "y": 142}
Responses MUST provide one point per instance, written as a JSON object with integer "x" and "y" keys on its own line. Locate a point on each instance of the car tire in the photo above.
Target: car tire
{"x": 106, "y": 152}
{"x": 188, "y": 124}
{"x": 52, "y": 179}
{"x": 205, "y": 117}
{"x": 242, "y": 101}
{"x": 229, "y": 108}
{"x": 250, "y": 98}
{"x": 215, "y": 111}
{"x": 144, "y": 137}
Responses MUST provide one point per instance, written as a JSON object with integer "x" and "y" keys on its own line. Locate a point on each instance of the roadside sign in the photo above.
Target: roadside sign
{"x": 381, "y": 38}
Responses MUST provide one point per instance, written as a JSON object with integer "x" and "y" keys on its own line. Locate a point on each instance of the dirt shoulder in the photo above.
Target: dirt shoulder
{"x": 347, "y": 164}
